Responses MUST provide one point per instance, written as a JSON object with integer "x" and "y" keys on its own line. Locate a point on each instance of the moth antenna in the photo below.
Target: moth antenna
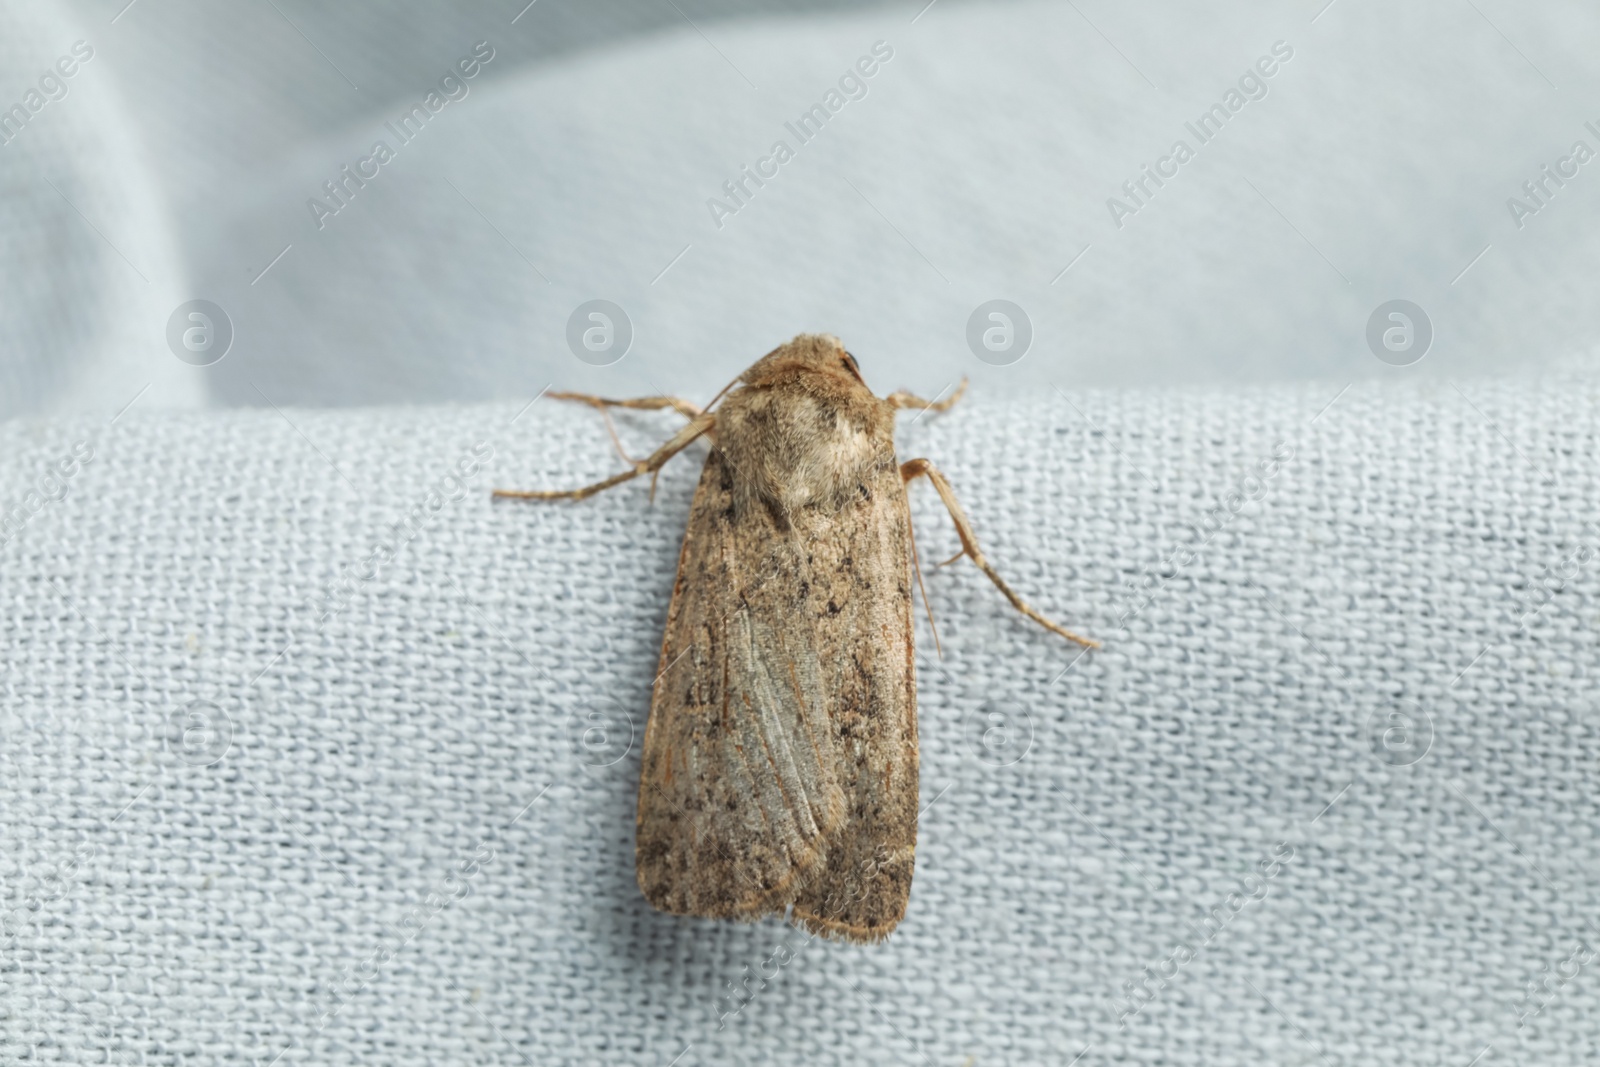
{"x": 611, "y": 428}
{"x": 916, "y": 563}
{"x": 721, "y": 392}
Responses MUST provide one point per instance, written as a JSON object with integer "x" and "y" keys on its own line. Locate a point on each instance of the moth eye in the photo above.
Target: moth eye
{"x": 851, "y": 365}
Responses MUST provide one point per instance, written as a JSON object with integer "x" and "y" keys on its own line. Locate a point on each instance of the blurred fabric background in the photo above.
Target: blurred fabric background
{"x": 978, "y": 164}
{"x": 269, "y": 674}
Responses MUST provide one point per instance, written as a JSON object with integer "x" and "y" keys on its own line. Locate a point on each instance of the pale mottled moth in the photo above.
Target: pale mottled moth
{"x": 779, "y": 768}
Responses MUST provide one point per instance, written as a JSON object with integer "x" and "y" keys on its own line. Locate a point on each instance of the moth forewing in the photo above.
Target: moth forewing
{"x": 779, "y": 764}
{"x": 862, "y": 596}
{"x": 739, "y": 785}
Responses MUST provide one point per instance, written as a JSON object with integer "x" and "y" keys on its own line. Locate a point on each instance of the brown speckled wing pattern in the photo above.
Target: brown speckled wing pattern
{"x": 780, "y": 757}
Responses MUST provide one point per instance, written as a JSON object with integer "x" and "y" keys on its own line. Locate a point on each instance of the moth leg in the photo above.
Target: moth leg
{"x": 902, "y": 399}
{"x": 644, "y": 403}
{"x": 700, "y": 424}
{"x": 969, "y": 545}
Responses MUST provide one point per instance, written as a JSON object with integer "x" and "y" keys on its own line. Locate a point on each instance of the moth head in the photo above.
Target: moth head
{"x": 819, "y": 359}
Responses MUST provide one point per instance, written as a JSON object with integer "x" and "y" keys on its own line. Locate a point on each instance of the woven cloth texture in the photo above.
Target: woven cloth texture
{"x": 313, "y": 754}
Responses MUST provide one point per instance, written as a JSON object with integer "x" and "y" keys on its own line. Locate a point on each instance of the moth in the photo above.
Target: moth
{"x": 779, "y": 765}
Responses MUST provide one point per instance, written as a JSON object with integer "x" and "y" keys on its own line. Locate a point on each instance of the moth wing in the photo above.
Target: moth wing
{"x": 739, "y": 790}
{"x": 861, "y": 601}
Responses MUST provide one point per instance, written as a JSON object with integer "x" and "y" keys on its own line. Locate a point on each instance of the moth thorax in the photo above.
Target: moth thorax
{"x": 797, "y": 455}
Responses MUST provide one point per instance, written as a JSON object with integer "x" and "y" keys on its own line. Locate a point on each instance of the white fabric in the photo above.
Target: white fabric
{"x": 418, "y": 726}
{"x": 979, "y": 165}
{"x": 90, "y": 269}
